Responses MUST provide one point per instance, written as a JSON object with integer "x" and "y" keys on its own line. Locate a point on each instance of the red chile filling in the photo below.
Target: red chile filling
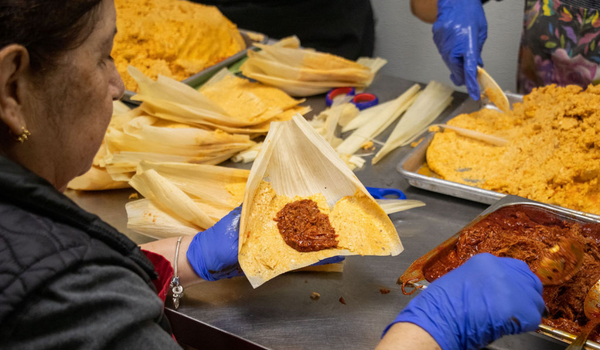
{"x": 304, "y": 228}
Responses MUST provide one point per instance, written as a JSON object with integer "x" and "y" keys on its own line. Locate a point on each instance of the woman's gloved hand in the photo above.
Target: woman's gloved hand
{"x": 459, "y": 33}
{"x": 214, "y": 253}
{"x": 482, "y": 300}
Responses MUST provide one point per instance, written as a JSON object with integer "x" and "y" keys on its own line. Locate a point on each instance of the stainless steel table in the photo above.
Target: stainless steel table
{"x": 280, "y": 315}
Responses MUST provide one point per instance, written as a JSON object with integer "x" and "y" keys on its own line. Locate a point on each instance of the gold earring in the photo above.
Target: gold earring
{"x": 23, "y": 137}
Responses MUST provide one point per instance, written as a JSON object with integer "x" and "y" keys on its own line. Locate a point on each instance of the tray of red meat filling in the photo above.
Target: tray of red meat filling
{"x": 523, "y": 229}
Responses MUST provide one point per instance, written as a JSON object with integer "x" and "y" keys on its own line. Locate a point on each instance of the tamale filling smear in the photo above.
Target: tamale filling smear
{"x": 304, "y": 228}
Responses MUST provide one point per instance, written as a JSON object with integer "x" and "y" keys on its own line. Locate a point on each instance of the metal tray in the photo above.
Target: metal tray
{"x": 414, "y": 276}
{"x": 409, "y": 166}
{"x": 202, "y": 76}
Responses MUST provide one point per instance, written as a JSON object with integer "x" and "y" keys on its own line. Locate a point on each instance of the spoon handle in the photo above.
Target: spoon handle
{"x": 581, "y": 339}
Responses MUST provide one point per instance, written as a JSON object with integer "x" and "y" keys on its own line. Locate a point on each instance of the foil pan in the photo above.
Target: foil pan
{"x": 412, "y": 164}
{"x": 202, "y": 76}
{"x": 413, "y": 279}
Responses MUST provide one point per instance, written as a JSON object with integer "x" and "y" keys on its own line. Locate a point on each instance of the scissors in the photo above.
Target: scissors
{"x": 361, "y": 101}
{"x": 380, "y": 193}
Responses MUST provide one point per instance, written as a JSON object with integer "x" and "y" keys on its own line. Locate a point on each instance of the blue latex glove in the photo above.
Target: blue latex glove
{"x": 214, "y": 253}
{"x": 482, "y": 300}
{"x": 459, "y": 33}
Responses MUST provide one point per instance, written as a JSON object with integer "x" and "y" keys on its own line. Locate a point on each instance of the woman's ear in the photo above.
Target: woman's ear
{"x": 14, "y": 66}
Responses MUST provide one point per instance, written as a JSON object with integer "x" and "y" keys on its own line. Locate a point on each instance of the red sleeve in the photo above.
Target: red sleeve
{"x": 165, "y": 273}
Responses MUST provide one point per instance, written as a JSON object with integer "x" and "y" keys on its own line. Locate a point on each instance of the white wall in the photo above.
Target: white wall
{"x": 407, "y": 43}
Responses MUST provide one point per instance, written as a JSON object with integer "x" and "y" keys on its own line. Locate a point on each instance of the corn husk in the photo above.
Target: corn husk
{"x": 374, "y": 64}
{"x": 298, "y": 162}
{"x": 147, "y": 219}
{"x": 385, "y": 118}
{"x": 434, "y": 99}
{"x": 181, "y": 195}
{"x": 96, "y": 179}
{"x": 248, "y": 155}
{"x": 365, "y": 116}
{"x": 305, "y": 72}
{"x": 391, "y": 206}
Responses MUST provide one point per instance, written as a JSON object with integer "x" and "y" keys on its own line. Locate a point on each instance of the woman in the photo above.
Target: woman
{"x": 70, "y": 281}
{"x": 559, "y": 43}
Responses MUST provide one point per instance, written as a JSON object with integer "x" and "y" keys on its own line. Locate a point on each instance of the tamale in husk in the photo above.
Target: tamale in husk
{"x": 296, "y": 164}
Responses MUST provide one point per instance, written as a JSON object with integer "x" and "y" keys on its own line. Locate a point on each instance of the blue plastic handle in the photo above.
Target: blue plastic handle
{"x": 380, "y": 193}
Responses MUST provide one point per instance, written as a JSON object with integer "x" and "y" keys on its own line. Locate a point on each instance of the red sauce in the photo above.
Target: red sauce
{"x": 526, "y": 233}
{"x": 304, "y": 228}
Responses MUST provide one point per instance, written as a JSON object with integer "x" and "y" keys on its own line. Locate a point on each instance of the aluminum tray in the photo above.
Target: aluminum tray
{"x": 414, "y": 277}
{"x": 409, "y": 166}
{"x": 202, "y": 76}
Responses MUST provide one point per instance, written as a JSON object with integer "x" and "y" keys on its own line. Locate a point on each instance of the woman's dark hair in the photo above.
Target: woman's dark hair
{"x": 46, "y": 28}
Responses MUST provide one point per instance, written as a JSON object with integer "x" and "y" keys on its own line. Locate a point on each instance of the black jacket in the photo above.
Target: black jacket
{"x": 62, "y": 267}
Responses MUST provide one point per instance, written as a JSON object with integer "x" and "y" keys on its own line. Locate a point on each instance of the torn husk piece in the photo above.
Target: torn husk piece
{"x": 297, "y": 164}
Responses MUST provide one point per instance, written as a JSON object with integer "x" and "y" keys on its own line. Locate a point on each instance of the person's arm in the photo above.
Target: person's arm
{"x": 425, "y": 10}
{"x": 468, "y": 308}
{"x": 407, "y": 336}
{"x": 166, "y": 248}
{"x": 208, "y": 256}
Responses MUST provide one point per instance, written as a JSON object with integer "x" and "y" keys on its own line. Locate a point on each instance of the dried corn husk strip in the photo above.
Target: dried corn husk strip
{"x": 374, "y": 64}
{"x": 391, "y": 206}
{"x": 146, "y": 218}
{"x": 370, "y": 130}
{"x": 365, "y": 116}
{"x": 476, "y": 135}
{"x": 248, "y": 155}
{"x": 169, "y": 198}
{"x": 96, "y": 179}
{"x": 291, "y": 42}
{"x": 429, "y": 105}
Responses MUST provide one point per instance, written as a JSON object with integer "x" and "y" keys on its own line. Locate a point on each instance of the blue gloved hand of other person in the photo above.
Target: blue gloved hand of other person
{"x": 213, "y": 253}
{"x": 482, "y": 300}
{"x": 459, "y": 33}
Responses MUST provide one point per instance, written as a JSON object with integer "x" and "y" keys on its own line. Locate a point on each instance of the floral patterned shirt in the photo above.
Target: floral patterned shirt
{"x": 559, "y": 44}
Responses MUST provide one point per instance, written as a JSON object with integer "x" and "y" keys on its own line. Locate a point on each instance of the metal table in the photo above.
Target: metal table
{"x": 280, "y": 315}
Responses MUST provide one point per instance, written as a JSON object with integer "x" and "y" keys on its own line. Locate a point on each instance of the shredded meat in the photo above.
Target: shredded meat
{"x": 304, "y": 227}
{"x": 526, "y": 233}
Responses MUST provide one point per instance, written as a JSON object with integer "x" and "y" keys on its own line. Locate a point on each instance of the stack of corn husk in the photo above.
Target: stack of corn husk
{"x": 182, "y": 199}
{"x": 176, "y": 123}
{"x": 305, "y": 72}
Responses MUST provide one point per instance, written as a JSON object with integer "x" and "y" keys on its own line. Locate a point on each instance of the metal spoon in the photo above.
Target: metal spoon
{"x": 490, "y": 88}
{"x": 591, "y": 307}
{"x": 560, "y": 263}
